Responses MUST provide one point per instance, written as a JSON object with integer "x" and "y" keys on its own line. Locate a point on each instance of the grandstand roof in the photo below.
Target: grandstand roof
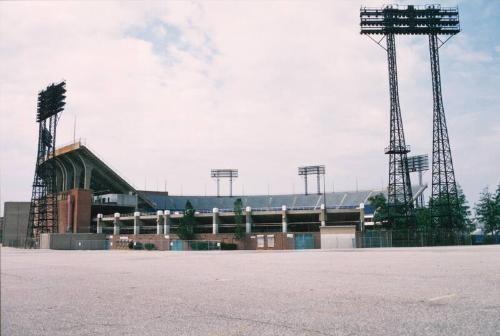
{"x": 340, "y": 200}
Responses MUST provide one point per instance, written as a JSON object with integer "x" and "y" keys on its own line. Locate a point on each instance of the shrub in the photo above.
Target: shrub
{"x": 228, "y": 246}
{"x": 130, "y": 244}
{"x": 138, "y": 246}
{"x": 198, "y": 245}
{"x": 150, "y": 246}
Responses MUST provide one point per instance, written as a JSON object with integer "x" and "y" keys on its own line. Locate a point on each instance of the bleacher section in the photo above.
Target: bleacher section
{"x": 334, "y": 200}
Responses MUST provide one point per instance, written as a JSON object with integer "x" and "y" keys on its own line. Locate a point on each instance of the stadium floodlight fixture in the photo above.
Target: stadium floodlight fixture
{"x": 410, "y": 20}
{"x": 224, "y": 173}
{"x": 317, "y": 170}
{"x": 418, "y": 163}
{"x": 51, "y": 101}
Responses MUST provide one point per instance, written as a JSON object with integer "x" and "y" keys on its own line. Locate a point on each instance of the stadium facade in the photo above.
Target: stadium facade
{"x": 94, "y": 199}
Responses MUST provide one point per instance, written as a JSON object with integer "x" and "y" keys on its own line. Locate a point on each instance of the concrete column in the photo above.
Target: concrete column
{"x": 137, "y": 221}
{"x": 76, "y": 172}
{"x": 248, "y": 212}
{"x": 215, "y": 222}
{"x": 166, "y": 222}
{"x": 322, "y": 215}
{"x": 87, "y": 172}
{"x": 99, "y": 224}
{"x": 87, "y": 177}
{"x": 116, "y": 224}
{"x": 361, "y": 216}
{"x": 284, "y": 219}
{"x": 159, "y": 215}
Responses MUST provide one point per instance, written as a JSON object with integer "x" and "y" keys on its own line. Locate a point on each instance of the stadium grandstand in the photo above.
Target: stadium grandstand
{"x": 94, "y": 198}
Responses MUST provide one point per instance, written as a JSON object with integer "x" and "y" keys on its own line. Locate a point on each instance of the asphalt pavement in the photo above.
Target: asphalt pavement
{"x": 413, "y": 291}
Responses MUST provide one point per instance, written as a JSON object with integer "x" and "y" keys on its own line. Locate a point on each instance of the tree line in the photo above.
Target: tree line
{"x": 186, "y": 229}
{"x": 487, "y": 213}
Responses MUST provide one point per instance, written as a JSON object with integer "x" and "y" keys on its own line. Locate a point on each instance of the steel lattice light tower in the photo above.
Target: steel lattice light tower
{"x": 312, "y": 170}
{"x": 431, "y": 20}
{"x": 224, "y": 173}
{"x": 419, "y": 164}
{"x": 383, "y": 21}
{"x": 445, "y": 205}
{"x": 43, "y": 209}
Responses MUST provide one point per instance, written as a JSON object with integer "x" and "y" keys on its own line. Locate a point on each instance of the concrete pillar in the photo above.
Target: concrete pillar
{"x": 284, "y": 219}
{"x": 361, "y": 216}
{"x": 322, "y": 215}
{"x": 87, "y": 177}
{"x": 215, "y": 222}
{"x": 159, "y": 215}
{"x": 87, "y": 172}
{"x": 248, "y": 212}
{"x": 99, "y": 224}
{"x": 76, "y": 172}
{"x": 116, "y": 224}
{"x": 137, "y": 221}
{"x": 166, "y": 222}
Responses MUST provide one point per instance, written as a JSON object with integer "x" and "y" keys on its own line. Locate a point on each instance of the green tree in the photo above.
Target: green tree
{"x": 238, "y": 219}
{"x": 379, "y": 202}
{"x": 423, "y": 218}
{"x": 187, "y": 224}
{"x": 443, "y": 211}
{"x": 463, "y": 214}
{"x": 497, "y": 207}
{"x": 486, "y": 211}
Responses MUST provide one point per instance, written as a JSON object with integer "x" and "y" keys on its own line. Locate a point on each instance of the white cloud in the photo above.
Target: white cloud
{"x": 263, "y": 87}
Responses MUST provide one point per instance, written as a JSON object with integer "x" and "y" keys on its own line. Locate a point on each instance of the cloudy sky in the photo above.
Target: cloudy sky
{"x": 165, "y": 91}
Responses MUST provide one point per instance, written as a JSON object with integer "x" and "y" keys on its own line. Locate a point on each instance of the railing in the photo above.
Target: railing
{"x": 181, "y": 212}
{"x": 398, "y": 149}
{"x": 412, "y": 238}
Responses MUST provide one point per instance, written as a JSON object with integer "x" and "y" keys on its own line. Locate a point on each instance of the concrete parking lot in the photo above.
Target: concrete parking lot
{"x": 420, "y": 291}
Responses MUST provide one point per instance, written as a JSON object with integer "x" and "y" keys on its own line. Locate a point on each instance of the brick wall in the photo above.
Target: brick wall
{"x": 281, "y": 240}
{"x": 78, "y": 203}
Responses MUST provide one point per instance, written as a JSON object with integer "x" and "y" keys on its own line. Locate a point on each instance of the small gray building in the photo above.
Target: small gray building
{"x": 15, "y": 223}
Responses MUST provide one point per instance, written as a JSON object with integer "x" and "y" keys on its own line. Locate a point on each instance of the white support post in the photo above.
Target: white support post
{"x": 284, "y": 219}
{"x": 248, "y": 228}
{"x": 137, "y": 220}
{"x": 322, "y": 215}
{"x": 215, "y": 222}
{"x": 99, "y": 224}
{"x": 116, "y": 224}
{"x": 159, "y": 215}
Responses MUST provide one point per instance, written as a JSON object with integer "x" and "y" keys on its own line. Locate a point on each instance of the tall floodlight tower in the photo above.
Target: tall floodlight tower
{"x": 419, "y": 164}
{"x": 386, "y": 22}
{"x": 43, "y": 210}
{"x": 312, "y": 170}
{"x": 224, "y": 173}
{"x": 434, "y": 21}
{"x": 444, "y": 206}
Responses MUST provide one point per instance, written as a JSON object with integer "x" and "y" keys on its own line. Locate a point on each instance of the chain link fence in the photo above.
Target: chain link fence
{"x": 412, "y": 238}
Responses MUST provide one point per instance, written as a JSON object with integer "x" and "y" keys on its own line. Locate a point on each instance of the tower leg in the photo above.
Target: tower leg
{"x": 305, "y": 182}
{"x": 318, "y": 184}
{"x": 445, "y": 204}
{"x": 399, "y": 193}
{"x": 230, "y": 186}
